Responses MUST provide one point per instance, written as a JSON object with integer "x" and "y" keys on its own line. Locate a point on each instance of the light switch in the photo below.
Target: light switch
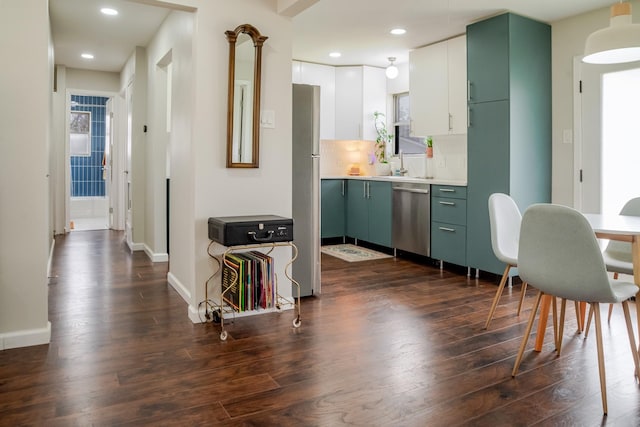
{"x": 268, "y": 119}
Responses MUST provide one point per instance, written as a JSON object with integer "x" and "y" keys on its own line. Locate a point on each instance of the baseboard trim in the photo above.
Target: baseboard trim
{"x": 179, "y": 287}
{"x": 135, "y": 246}
{"x": 26, "y": 338}
{"x": 50, "y": 261}
{"x": 156, "y": 257}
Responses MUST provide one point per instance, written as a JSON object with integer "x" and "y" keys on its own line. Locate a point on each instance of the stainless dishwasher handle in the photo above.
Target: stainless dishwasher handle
{"x": 447, "y": 229}
{"x": 447, "y": 203}
{"x": 412, "y": 190}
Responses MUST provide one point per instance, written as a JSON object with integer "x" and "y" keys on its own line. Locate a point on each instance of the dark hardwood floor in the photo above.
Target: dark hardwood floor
{"x": 389, "y": 343}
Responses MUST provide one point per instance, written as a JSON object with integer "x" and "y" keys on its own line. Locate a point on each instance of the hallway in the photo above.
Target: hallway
{"x": 390, "y": 342}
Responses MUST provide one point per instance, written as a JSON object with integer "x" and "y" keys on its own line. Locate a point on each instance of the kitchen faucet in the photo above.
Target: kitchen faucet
{"x": 402, "y": 170}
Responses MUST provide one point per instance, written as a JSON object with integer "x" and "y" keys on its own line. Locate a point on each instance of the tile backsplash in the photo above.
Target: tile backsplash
{"x": 449, "y": 159}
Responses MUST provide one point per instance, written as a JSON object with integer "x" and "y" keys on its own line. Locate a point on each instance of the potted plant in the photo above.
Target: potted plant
{"x": 383, "y": 137}
{"x": 429, "y": 143}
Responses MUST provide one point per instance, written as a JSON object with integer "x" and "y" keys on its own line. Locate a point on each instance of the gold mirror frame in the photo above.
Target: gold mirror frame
{"x": 258, "y": 41}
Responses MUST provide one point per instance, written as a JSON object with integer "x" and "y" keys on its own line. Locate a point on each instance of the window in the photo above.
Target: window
{"x": 80, "y": 133}
{"x": 402, "y": 124}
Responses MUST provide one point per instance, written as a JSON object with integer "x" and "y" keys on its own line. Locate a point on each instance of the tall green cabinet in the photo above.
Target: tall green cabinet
{"x": 509, "y": 133}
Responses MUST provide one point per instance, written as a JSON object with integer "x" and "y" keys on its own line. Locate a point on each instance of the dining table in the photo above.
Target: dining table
{"x": 624, "y": 228}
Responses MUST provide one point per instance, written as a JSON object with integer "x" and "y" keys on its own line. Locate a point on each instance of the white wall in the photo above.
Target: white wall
{"x": 219, "y": 191}
{"x": 172, "y": 43}
{"x": 26, "y": 235}
{"x": 202, "y": 186}
{"x": 567, "y": 40}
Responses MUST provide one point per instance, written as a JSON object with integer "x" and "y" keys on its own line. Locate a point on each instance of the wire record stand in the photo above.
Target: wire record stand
{"x": 217, "y": 309}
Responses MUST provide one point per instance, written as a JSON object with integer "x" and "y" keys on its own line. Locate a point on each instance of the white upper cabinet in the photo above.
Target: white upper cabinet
{"x": 438, "y": 88}
{"x": 457, "y": 66}
{"x": 325, "y": 77}
{"x": 360, "y": 91}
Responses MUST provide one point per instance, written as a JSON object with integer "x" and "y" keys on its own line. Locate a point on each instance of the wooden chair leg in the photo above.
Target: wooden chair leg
{"x": 496, "y": 298}
{"x": 578, "y": 317}
{"x": 523, "y": 292}
{"x": 632, "y": 337}
{"x": 525, "y": 338}
{"x": 610, "y": 311}
{"x": 615, "y": 277}
{"x": 563, "y": 306}
{"x": 603, "y": 376}
{"x": 554, "y": 305}
{"x": 586, "y": 330}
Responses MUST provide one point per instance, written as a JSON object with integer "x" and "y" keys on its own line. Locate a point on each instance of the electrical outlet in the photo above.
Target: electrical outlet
{"x": 567, "y": 136}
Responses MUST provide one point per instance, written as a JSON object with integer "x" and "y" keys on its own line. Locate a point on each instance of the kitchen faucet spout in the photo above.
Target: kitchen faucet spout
{"x": 402, "y": 171}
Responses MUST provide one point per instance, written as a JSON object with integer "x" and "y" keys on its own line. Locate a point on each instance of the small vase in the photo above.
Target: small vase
{"x": 430, "y": 152}
{"x": 382, "y": 169}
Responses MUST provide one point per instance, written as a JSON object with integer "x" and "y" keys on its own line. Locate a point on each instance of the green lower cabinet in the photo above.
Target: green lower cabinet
{"x": 449, "y": 224}
{"x": 369, "y": 211}
{"x": 449, "y": 242}
{"x": 332, "y": 204}
{"x": 357, "y": 210}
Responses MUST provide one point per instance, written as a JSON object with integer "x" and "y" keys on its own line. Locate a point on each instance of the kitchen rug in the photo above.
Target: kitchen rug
{"x": 352, "y": 253}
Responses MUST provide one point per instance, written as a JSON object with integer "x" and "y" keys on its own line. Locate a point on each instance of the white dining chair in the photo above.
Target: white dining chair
{"x": 504, "y": 220}
{"x": 559, "y": 255}
{"x": 617, "y": 255}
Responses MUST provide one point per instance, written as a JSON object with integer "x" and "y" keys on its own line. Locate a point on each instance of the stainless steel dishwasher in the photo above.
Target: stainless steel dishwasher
{"x": 412, "y": 217}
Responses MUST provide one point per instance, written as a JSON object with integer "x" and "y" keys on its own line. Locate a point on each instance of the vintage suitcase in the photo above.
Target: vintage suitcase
{"x": 252, "y": 229}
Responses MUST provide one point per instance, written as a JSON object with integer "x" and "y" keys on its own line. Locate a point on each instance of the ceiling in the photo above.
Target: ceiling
{"x": 359, "y": 29}
{"x": 78, "y": 26}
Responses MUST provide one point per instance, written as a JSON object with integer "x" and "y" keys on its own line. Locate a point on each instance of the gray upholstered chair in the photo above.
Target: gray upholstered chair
{"x": 504, "y": 219}
{"x": 560, "y": 256}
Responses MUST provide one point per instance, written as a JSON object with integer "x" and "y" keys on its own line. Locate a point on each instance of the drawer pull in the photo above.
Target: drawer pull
{"x": 448, "y": 190}
{"x": 452, "y": 230}
{"x": 447, "y": 203}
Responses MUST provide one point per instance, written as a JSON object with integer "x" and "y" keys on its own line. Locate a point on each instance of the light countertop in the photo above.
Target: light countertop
{"x": 402, "y": 179}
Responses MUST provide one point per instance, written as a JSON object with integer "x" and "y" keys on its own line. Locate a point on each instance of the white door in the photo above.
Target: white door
{"x": 600, "y": 154}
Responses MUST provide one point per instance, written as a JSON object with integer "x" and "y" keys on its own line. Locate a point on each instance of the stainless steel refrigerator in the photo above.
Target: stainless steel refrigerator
{"x": 306, "y": 188}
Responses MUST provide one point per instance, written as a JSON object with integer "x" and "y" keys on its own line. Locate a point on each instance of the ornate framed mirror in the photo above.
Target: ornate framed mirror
{"x": 243, "y": 108}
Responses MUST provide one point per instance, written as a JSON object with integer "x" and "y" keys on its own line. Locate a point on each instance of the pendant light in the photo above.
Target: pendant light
{"x": 391, "y": 71}
{"x": 618, "y": 43}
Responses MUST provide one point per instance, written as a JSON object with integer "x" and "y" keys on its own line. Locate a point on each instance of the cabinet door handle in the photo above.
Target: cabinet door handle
{"x": 368, "y": 190}
{"x": 450, "y": 127}
{"x": 343, "y": 188}
{"x": 447, "y": 190}
{"x": 451, "y": 230}
{"x": 364, "y": 189}
{"x": 448, "y": 203}
{"x": 468, "y": 116}
{"x": 468, "y": 90}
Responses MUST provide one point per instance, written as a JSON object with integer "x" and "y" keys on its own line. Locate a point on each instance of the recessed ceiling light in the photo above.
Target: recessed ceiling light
{"x": 335, "y": 54}
{"x": 109, "y": 11}
{"x": 87, "y": 56}
{"x": 398, "y": 31}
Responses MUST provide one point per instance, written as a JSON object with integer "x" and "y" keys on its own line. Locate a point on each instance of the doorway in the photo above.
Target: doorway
{"x": 89, "y": 157}
{"x": 607, "y": 134}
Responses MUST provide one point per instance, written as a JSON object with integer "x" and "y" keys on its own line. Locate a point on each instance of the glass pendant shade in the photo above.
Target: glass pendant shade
{"x": 392, "y": 71}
